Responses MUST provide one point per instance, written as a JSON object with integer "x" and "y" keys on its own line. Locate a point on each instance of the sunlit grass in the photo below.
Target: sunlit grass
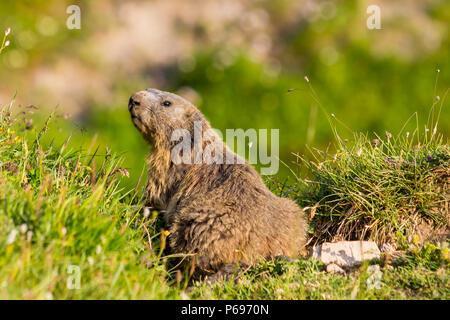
{"x": 61, "y": 211}
{"x": 377, "y": 187}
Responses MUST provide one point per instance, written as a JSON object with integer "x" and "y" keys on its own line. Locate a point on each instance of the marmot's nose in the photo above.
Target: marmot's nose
{"x": 135, "y": 100}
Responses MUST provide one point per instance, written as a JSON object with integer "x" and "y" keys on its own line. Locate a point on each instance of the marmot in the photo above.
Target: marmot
{"x": 221, "y": 213}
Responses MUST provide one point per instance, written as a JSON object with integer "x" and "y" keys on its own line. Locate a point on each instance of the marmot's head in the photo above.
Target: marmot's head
{"x": 156, "y": 114}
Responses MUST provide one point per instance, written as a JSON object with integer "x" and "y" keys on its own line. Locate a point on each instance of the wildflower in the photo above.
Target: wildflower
{"x": 7, "y": 31}
{"x": 23, "y": 228}
{"x": 90, "y": 261}
{"x": 11, "y": 237}
{"x": 437, "y": 98}
{"x": 64, "y": 231}
{"x": 124, "y": 172}
{"x": 29, "y": 235}
{"x": 166, "y": 232}
{"x": 407, "y": 134}
{"x": 146, "y": 212}
{"x": 375, "y": 142}
{"x": 10, "y": 166}
{"x": 279, "y": 293}
{"x": 7, "y": 43}
{"x": 99, "y": 249}
{"x": 429, "y": 158}
{"x": 388, "y": 135}
{"x": 359, "y": 152}
{"x": 28, "y": 124}
{"x": 306, "y": 79}
{"x": 333, "y": 115}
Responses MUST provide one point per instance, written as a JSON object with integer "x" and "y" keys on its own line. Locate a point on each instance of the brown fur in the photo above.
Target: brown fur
{"x": 222, "y": 213}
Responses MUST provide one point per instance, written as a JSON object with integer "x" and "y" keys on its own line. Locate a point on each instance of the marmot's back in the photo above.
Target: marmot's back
{"x": 239, "y": 220}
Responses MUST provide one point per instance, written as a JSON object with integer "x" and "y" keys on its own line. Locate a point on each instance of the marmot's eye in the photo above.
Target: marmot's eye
{"x": 167, "y": 103}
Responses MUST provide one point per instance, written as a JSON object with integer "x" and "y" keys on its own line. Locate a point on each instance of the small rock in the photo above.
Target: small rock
{"x": 374, "y": 280}
{"x": 373, "y": 269}
{"x": 315, "y": 252}
{"x": 346, "y": 253}
{"x": 334, "y": 268}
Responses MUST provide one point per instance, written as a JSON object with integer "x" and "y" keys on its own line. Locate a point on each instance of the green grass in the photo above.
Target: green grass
{"x": 413, "y": 278}
{"x": 59, "y": 209}
{"x": 379, "y": 190}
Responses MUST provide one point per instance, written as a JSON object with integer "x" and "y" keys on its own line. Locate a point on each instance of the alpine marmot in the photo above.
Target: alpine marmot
{"x": 223, "y": 213}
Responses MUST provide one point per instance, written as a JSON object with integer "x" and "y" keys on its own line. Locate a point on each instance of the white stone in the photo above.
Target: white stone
{"x": 315, "y": 252}
{"x": 374, "y": 280}
{"x": 346, "y": 253}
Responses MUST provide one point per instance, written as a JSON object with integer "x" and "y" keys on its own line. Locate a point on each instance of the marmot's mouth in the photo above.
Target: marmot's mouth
{"x": 136, "y": 120}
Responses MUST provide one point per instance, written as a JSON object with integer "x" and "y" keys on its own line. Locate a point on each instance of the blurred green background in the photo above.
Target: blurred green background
{"x": 242, "y": 63}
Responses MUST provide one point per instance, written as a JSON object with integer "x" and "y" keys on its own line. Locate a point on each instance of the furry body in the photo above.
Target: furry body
{"x": 222, "y": 213}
